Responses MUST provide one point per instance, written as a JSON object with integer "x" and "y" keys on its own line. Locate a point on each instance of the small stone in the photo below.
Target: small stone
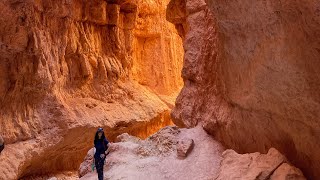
{"x": 184, "y": 147}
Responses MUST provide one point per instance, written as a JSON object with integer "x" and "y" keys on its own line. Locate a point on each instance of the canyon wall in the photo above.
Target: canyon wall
{"x": 157, "y": 51}
{"x": 68, "y": 67}
{"x": 251, "y": 75}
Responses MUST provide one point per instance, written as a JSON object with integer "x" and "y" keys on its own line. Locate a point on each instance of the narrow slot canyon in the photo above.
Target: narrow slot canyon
{"x": 183, "y": 89}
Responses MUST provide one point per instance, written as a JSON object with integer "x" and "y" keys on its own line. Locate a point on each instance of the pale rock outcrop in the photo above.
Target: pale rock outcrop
{"x": 287, "y": 172}
{"x": 256, "y": 166}
{"x": 251, "y": 75}
{"x": 66, "y": 68}
{"x": 156, "y": 158}
{"x": 86, "y": 165}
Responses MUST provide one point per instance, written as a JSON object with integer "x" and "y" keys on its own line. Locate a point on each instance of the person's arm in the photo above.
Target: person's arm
{"x": 108, "y": 147}
{"x": 94, "y": 146}
{"x": 106, "y": 141}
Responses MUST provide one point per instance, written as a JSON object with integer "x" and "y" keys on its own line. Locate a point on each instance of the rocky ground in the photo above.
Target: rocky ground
{"x": 157, "y": 157}
{"x": 174, "y": 153}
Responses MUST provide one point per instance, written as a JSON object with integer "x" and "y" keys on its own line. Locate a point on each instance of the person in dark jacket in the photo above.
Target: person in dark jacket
{"x": 101, "y": 144}
{"x": 1, "y": 144}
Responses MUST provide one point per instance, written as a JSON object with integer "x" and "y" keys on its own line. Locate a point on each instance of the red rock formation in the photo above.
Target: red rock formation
{"x": 250, "y": 74}
{"x": 157, "y": 50}
{"x": 66, "y": 68}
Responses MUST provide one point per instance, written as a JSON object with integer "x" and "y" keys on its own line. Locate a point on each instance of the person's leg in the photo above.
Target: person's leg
{"x": 100, "y": 173}
{"x": 100, "y": 169}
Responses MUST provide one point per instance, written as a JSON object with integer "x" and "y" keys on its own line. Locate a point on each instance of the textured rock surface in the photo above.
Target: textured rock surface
{"x": 67, "y": 175}
{"x": 1, "y": 140}
{"x": 157, "y": 49}
{"x": 287, "y": 172}
{"x": 66, "y": 67}
{"x": 86, "y": 165}
{"x": 256, "y": 166}
{"x": 251, "y": 75}
{"x": 184, "y": 147}
{"x": 155, "y": 158}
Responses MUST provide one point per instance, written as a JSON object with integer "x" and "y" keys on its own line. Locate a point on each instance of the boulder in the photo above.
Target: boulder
{"x": 257, "y": 166}
{"x": 287, "y": 172}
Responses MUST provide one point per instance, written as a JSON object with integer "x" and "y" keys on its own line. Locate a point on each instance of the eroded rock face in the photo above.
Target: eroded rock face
{"x": 250, "y": 73}
{"x": 157, "y": 49}
{"x": 66, "y": 68}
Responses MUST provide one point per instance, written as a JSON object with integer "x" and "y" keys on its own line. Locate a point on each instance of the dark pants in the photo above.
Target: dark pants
{"x": 99, "y": 162}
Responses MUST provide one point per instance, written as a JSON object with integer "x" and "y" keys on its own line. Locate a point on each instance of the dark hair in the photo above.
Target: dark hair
{"x": 96, "y": 137}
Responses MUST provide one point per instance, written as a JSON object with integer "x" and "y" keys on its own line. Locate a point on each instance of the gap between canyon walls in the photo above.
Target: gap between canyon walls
{"x": 68, "y": 67}
{"x": 157, "y": 52}
{"x": 251, "y": 75}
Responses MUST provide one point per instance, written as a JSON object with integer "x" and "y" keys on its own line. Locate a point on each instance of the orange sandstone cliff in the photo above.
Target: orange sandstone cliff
{"x": 251, "y": 75}
{"x": 67, "y": 67}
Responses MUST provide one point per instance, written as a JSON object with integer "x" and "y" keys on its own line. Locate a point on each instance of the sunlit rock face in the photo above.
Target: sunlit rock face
{"x": 157, "y": 49}
{"x": 251, "y": 75}
{"x": 67, "y": 67}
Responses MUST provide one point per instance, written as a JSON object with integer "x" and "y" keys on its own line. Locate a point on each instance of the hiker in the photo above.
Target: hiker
{"x": 1, "y": 144}
{"x": 101, "y": 144}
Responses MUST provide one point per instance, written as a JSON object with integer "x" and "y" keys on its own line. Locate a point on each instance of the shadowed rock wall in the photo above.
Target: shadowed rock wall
{"x": 251, "y": 75}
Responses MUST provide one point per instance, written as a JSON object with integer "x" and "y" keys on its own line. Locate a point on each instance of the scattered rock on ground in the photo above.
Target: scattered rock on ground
{"x": 184, "y": 147}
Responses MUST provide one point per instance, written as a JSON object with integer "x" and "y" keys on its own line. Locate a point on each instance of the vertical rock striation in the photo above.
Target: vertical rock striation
{"x": 66, "y": 68}
{"x": 250, "y": 74}
{"x": 157, "y": 50}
